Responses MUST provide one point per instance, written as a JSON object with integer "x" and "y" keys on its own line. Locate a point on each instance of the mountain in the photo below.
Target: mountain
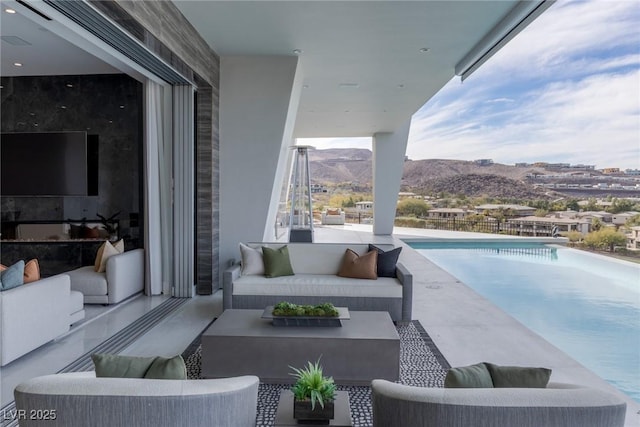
{"x": 339, "y": 165}
{"x": 352, "y": 165}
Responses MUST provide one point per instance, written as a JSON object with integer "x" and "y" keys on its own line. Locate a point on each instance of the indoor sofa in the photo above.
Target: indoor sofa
{"x": 124, "y": 277}
{"x": 35, "y": 313}
{"x": 315, "y": 281}
{"x": 79, "y": 399}
{"x": 557, "y": 405}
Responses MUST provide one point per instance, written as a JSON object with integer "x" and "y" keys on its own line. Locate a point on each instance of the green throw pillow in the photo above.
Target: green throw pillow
{"x": 276, "y": 262}
{"x": 518, "y": 376}
{"x": 167, "y": 369}
{"x": 13, "y": 276}
{"x": 474, "y": 376}
{"x": 116, "y": 366}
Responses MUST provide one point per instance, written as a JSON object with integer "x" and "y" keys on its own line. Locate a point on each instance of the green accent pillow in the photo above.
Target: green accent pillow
{"x": 276, "y": 262}
{"x": 116, "y": 366}
{"x": 167, "y": 369}
{"x": 12, "y": 276}
{"x": 518, "y": 376}
{"x": 474, "y": 376}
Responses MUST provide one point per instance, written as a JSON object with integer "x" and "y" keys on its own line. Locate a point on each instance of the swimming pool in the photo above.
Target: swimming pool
{"x": 587, "y": 305}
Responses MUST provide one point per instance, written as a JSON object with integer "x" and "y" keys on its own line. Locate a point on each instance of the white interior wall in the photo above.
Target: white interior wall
{"x": 389, "y": 151}
{"x": 258, "y": 101}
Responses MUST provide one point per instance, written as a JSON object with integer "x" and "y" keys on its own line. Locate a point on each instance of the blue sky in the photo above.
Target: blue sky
{"x": 566, "y": 89}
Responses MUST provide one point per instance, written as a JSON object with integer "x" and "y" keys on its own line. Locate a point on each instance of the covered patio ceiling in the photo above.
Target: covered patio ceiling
{"x": 367, "y": 65}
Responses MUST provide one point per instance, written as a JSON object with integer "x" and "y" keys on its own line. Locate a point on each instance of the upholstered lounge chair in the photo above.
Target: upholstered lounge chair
{"x": 79, "y": 399}
{"x": 558, "y": 405}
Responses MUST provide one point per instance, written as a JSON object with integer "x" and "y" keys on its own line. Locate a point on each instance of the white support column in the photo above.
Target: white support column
{"x": 184, "y": 192}
{"x": 388, "y": 160}
{"x": 258, "y": 104}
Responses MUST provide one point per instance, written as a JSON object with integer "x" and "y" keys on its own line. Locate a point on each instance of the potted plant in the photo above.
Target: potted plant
{"x": 313, "y": 395}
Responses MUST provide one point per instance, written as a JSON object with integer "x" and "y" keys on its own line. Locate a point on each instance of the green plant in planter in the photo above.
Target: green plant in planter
{"x": 311, "y": 384}
{"x": 285, "y": 308}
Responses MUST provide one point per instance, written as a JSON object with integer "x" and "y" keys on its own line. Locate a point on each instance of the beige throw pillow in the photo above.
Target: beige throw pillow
{"x": 359, "y": 267}
{"x": 104, "y": 253}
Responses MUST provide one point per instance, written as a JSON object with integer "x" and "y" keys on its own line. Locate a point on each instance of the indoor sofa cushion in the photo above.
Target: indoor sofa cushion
{"x": 359, "y": 267}
{"x": 12, "y": 276}
{"x": 105, "y": 251}
{"x": 31, "y": 271}
{"x": 328, "y": 285}
{"x": 87, "y": 281}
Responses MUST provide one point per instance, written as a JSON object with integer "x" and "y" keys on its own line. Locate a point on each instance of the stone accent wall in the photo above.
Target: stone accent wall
{"x": 106, "y": 105}
{"x": 163, "y": 29}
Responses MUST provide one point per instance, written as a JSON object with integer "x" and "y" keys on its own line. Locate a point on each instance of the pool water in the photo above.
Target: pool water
{"x": 587, "y": 305}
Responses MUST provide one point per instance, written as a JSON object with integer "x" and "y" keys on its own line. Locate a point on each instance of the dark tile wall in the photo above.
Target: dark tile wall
{"x": 107, "y": 105}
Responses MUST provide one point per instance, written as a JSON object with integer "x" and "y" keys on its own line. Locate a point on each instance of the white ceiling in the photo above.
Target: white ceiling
{"x": 46, "y": 53}
{"x": 363, "y": 68}
{"x": 372, "y": 44}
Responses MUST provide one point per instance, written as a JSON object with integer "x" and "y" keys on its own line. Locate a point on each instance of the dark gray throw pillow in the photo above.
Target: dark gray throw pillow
{"x": 474, "y": 376}
{"x": 518, "y": 376}
{"x": 386, "y": 260}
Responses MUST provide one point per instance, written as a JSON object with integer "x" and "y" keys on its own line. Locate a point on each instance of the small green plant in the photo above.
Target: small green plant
{"x": 285, "y": 308}
{"x": 311, "y": 384}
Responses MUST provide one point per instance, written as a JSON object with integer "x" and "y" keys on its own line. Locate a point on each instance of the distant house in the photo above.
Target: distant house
{"x": 483, "y": 162}
{"x": 633, "y": 239}
{"x": 537, "y": 226}
{"x": 621, "y": 218}
{"x": 601, "y": 215}
{"x": 516, "y": 210}
{"x": 457, "y": 213}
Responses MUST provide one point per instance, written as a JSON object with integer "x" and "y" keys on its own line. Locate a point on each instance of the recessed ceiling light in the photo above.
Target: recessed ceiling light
{"x": 69, "y": 85}
{"x": 305, "y": 86}
{"x": 122, "y": 106}
{"x": 424, "y": 49}
{"x": 349, "y": 85}
{"x": 400, "y": 86}
{"x": 64, "y": 107}
{"x": 17, "y": 64}
{"x": 9, "y": 10}
{"x": 297, "y": 51}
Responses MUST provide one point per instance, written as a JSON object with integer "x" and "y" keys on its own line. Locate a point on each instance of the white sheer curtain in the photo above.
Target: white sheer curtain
{"x": 158, "y": 196}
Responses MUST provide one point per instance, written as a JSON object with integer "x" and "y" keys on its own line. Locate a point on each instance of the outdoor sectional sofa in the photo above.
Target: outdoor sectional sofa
{"x": 557, "y": 405}
{"x": 315, "y": 281}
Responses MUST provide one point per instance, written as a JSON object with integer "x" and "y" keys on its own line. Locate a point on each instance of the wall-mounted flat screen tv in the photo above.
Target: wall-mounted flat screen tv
{"x": 47, "y": 164}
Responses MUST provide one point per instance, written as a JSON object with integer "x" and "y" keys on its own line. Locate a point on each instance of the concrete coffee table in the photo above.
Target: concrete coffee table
{"x": 240, "y": 342}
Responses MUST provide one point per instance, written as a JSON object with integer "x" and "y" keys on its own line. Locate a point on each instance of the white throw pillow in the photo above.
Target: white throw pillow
{"x": 252, "y": 262}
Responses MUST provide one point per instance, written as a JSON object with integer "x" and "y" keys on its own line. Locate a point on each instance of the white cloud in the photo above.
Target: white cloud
{"x": 565, "y": 90}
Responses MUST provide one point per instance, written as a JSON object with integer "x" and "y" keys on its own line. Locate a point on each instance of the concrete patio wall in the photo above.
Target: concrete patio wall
{"x": 258, "y": 103}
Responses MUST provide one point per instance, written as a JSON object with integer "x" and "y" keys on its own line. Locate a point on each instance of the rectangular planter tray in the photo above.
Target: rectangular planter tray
{"x": 317, "y": 321}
